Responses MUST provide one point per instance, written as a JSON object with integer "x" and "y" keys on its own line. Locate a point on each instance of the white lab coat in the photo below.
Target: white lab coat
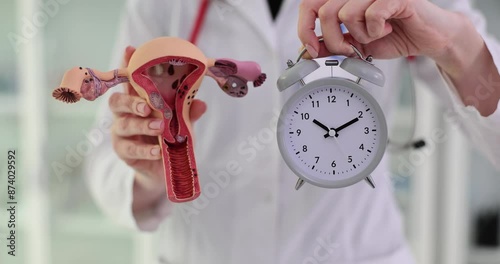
{"x": 249, "y": 211}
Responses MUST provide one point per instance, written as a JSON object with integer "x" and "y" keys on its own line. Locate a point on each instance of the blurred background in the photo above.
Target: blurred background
{"x": 451, "y": 202}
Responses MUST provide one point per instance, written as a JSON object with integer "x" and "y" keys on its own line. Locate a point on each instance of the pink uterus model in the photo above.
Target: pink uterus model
{"x": 167, "y": 72}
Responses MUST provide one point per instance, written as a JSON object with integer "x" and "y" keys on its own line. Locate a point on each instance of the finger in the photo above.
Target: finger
{"x": 126, "y": 126}
{"x": 198, "y": 108}
{"x": 129, "y": 51}
{"x": 130, "y": 90}
{"x": 378, "y": 14}
{"x": 135, "y": 150}
{"x": 150, "y": 171}
{"x": 330, "y": 28}
{"x": 308, "y": 12}
{"x": 324, "y": 52}
{"x": 121, "y": 103}
{"x": 352, "y": 14}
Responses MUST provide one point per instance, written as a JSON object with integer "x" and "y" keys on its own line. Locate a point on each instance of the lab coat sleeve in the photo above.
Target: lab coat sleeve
{"x": 109, "y": 179}
{"x": 483, "y": 132}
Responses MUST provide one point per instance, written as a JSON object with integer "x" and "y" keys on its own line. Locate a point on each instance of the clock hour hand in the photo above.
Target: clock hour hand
{"x": 321, "y": 125}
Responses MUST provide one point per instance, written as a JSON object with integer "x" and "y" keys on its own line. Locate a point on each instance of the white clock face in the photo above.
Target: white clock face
{"x": 333, "y": 135}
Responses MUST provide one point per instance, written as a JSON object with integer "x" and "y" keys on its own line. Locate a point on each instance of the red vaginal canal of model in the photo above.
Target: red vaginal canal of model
{"x": 170, "y": 88}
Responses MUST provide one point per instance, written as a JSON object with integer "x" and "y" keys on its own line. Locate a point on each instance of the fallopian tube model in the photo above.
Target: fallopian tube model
{"x": 167, "y": 72}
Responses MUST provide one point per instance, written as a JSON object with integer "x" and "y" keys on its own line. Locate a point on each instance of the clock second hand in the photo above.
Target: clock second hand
{"x": 338, "y": 145}
{"x": 334, "y": 134}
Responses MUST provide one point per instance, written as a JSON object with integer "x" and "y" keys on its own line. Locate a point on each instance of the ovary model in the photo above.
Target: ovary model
{"x": 167, "y": 72}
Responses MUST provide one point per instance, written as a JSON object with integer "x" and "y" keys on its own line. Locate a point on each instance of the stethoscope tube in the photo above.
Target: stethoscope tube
{"x": 200, "y": 21}
{"x": 411, "y": 142}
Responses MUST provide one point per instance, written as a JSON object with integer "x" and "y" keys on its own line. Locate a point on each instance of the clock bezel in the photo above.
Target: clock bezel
{"x": 282, "y": 133}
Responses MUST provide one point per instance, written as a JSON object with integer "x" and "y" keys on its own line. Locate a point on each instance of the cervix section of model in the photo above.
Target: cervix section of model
{"x": 167, "y": 72}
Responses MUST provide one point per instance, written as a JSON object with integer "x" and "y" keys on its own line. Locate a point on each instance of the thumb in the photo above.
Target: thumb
{"x": 198, "y": 108}
{"x": 129, "y": 51}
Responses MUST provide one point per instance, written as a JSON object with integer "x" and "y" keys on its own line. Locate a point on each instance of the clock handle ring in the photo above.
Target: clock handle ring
{"x": 356, "y": 50}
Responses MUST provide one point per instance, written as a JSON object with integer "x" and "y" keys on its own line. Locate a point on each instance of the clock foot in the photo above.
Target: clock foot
{"x": 370, "y": 181}
{"x": 299, "y": 184}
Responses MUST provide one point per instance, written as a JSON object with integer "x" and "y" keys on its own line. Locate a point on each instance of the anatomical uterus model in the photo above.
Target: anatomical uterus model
{"x": 167, "y": 72}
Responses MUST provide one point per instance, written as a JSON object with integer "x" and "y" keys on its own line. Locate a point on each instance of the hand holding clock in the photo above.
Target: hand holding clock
{"x": 389, "y": 29}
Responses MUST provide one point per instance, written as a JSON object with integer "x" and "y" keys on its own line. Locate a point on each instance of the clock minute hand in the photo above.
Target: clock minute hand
{"x": 321, "y": 125}
{"x": 341, "y": 127}
{"x": 347, "y": 124}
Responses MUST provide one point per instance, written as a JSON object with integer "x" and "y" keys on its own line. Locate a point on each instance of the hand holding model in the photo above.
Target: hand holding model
{"x": 135, "y": 134}
{"x": 389, "y": 29}
{"x": 163, "y": 77}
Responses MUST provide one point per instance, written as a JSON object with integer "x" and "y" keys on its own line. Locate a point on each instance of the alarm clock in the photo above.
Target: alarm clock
{"x": 332, "y": 133}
